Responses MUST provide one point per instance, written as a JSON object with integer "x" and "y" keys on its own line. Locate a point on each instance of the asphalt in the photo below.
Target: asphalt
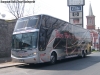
{"x": 7, "y": 62}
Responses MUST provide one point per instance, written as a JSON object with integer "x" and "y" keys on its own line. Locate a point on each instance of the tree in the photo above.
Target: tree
{"x": 16, "y": 8}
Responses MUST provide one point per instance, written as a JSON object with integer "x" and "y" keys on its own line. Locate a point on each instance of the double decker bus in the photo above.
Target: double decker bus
{"x": 43, "y": 38}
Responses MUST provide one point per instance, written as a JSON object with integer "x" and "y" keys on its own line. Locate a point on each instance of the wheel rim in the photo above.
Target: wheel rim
{"x": 53, "y": 59}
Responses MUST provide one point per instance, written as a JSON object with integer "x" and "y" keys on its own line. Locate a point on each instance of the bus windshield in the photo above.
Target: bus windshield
{"x": 25, "y": 41}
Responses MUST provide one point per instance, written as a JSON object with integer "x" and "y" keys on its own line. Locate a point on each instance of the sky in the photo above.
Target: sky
{"x": 56, "y": 8}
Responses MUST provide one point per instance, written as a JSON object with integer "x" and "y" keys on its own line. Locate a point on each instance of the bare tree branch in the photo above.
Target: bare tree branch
{"x": 17, "y": 9}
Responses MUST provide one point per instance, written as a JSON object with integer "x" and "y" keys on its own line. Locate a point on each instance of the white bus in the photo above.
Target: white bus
{"x": 43, "y": 38}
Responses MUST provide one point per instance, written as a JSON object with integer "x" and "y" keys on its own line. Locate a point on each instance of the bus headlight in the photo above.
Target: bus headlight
{"x": 34, "y": 53}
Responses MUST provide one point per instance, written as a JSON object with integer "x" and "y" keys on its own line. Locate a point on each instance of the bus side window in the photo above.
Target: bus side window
{"x": 59, "y": 43}
{"x": 42, "y": 40}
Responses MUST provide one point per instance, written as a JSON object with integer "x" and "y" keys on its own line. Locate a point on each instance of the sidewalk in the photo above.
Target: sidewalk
{"x": 7, "y": 62}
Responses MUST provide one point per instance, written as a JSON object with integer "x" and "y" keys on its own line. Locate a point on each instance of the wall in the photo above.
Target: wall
{"x": 6, "y": 29}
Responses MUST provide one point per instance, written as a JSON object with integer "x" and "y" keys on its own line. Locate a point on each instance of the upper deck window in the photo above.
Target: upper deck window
{"x": 28, "y": 22}
{"x": 32, "y": 22}
{"x": 21, "y": 24}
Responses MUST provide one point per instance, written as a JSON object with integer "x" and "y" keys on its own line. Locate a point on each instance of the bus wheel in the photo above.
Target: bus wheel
{"x": 83, "y": 54}
{"x": 53, "y": 58}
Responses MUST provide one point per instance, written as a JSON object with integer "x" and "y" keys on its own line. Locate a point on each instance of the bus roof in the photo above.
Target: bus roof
{"x": 53, "y": 17}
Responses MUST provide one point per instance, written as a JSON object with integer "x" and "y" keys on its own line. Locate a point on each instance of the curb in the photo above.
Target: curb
{"x": 9, "y": 64}
{"x": 5, "y": 60}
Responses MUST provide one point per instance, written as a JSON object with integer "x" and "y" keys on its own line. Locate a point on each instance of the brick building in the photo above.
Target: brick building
{"x": 94, "y": 32}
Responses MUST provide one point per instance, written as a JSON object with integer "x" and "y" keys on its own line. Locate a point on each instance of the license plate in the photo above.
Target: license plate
{"x": 21, "y": 60}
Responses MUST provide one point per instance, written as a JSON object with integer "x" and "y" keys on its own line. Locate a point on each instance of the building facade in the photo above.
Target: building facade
{"x": 91, "y": 27}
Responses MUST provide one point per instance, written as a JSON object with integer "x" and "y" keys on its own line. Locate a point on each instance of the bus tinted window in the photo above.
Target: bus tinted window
{"x": 17, "y": 41}
{"x": 59, "y": 43}
{"x": 25, "y": 40}
{"x": 30, "y": 22}
{"x": 21, "y": 24}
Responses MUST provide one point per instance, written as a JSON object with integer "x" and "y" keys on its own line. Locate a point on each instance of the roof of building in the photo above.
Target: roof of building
{"x": 90, "y": 10}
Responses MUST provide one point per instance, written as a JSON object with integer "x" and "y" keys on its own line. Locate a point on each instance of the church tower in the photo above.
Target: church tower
{"x": 90, "y": 19}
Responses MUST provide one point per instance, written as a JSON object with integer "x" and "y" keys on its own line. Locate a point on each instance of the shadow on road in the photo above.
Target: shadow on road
{"x": 68, "y": 64}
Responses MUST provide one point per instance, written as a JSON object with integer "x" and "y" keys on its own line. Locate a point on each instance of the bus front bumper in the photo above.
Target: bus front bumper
{"x": 32, "y": 59}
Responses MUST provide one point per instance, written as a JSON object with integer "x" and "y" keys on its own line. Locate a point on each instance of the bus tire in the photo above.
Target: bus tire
{"x": 53, "y": 58}
{"x": 83, "y": 54}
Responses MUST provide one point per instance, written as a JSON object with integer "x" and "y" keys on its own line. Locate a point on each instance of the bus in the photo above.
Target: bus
{"x": 44, "y": 38}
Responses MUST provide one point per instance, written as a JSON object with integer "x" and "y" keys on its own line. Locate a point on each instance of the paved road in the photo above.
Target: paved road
{"x": 76, "y": 66}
